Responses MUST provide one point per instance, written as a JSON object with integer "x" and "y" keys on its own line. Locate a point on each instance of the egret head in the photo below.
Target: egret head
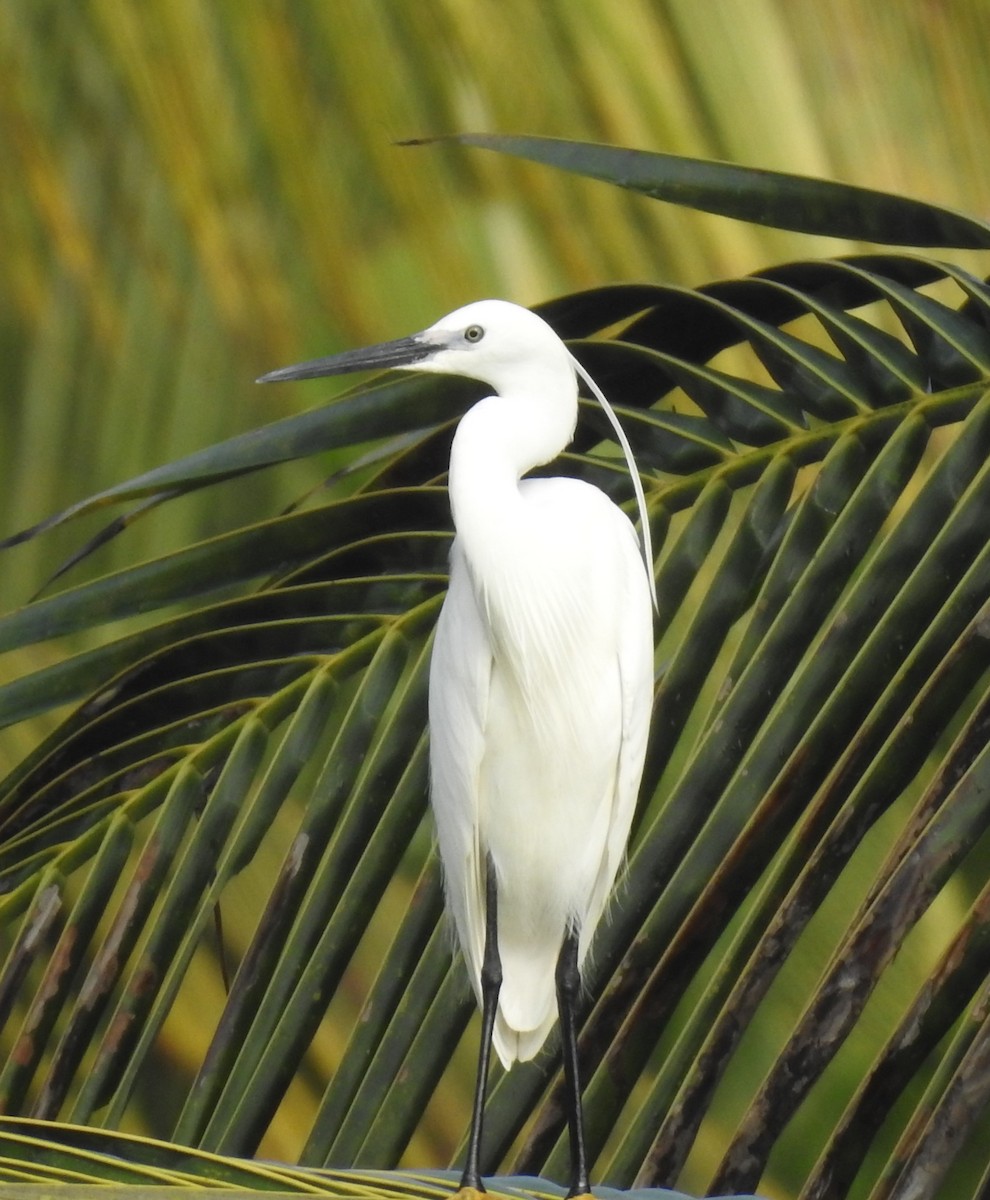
{"x": 503, "y": 345}
{"x": 497, "y": 343}
{"x": 493, "y": 341}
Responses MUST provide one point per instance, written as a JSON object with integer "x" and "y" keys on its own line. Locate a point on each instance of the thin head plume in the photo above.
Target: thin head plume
{"x": 620, "y": 433}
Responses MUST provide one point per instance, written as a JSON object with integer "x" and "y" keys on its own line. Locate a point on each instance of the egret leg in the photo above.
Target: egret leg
{"x": 568, "y": 981}
{"x": 491, "y": 983}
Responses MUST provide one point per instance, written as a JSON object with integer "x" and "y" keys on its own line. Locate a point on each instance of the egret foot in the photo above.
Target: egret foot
{"x": 466, "y": 1192}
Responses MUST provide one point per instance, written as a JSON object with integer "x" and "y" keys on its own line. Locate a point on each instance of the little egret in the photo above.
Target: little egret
{"x": 541, "y": 685}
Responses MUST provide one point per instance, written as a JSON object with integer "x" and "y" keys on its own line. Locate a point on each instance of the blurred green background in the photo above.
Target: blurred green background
{"x": 195, "y": 191}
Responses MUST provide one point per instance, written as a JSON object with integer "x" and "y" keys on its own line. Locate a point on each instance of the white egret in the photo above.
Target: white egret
{"x": 541, "y": 685}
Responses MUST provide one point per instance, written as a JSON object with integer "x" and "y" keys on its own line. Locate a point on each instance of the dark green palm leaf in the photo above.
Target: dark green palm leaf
{"x": 817, "y": 504}
{"x": 748, "y": 194}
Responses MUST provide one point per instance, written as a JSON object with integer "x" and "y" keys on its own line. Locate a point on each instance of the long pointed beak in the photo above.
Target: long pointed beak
{"x": 403, "y": 352}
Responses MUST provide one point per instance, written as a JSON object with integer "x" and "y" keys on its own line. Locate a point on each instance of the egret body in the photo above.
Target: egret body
{"x": 541, "y": 686}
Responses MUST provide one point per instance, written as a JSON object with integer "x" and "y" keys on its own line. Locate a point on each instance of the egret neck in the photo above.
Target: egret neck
{"x": 497, "y": 442}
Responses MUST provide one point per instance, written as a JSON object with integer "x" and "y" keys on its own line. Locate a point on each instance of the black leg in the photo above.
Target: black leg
{"x": 491, "y": 982}
{"x": 568, "y": 993}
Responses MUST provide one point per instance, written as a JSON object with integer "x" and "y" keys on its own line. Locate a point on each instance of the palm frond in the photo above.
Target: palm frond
{"x": 822, "y": 576}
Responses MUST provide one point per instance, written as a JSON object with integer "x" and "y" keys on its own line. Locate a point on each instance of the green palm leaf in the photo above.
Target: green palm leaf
{"x": 74, "y": 1157}
{"x": 814, "y": 440}
{"x": 783, "y": 201}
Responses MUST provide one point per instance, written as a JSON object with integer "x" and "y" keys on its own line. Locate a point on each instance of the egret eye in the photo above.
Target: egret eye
{"x": 473, "y": 333}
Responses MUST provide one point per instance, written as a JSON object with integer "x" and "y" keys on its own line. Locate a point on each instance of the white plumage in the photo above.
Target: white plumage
{"x": 541, "y": 683}
{"x": 542, "y": 675}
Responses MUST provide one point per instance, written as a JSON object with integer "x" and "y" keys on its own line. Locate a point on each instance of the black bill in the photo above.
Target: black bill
{"x": 403, "y": 352}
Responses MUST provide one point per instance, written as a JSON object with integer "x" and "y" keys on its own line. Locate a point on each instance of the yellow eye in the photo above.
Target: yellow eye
{"x": 473, "y": 333}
